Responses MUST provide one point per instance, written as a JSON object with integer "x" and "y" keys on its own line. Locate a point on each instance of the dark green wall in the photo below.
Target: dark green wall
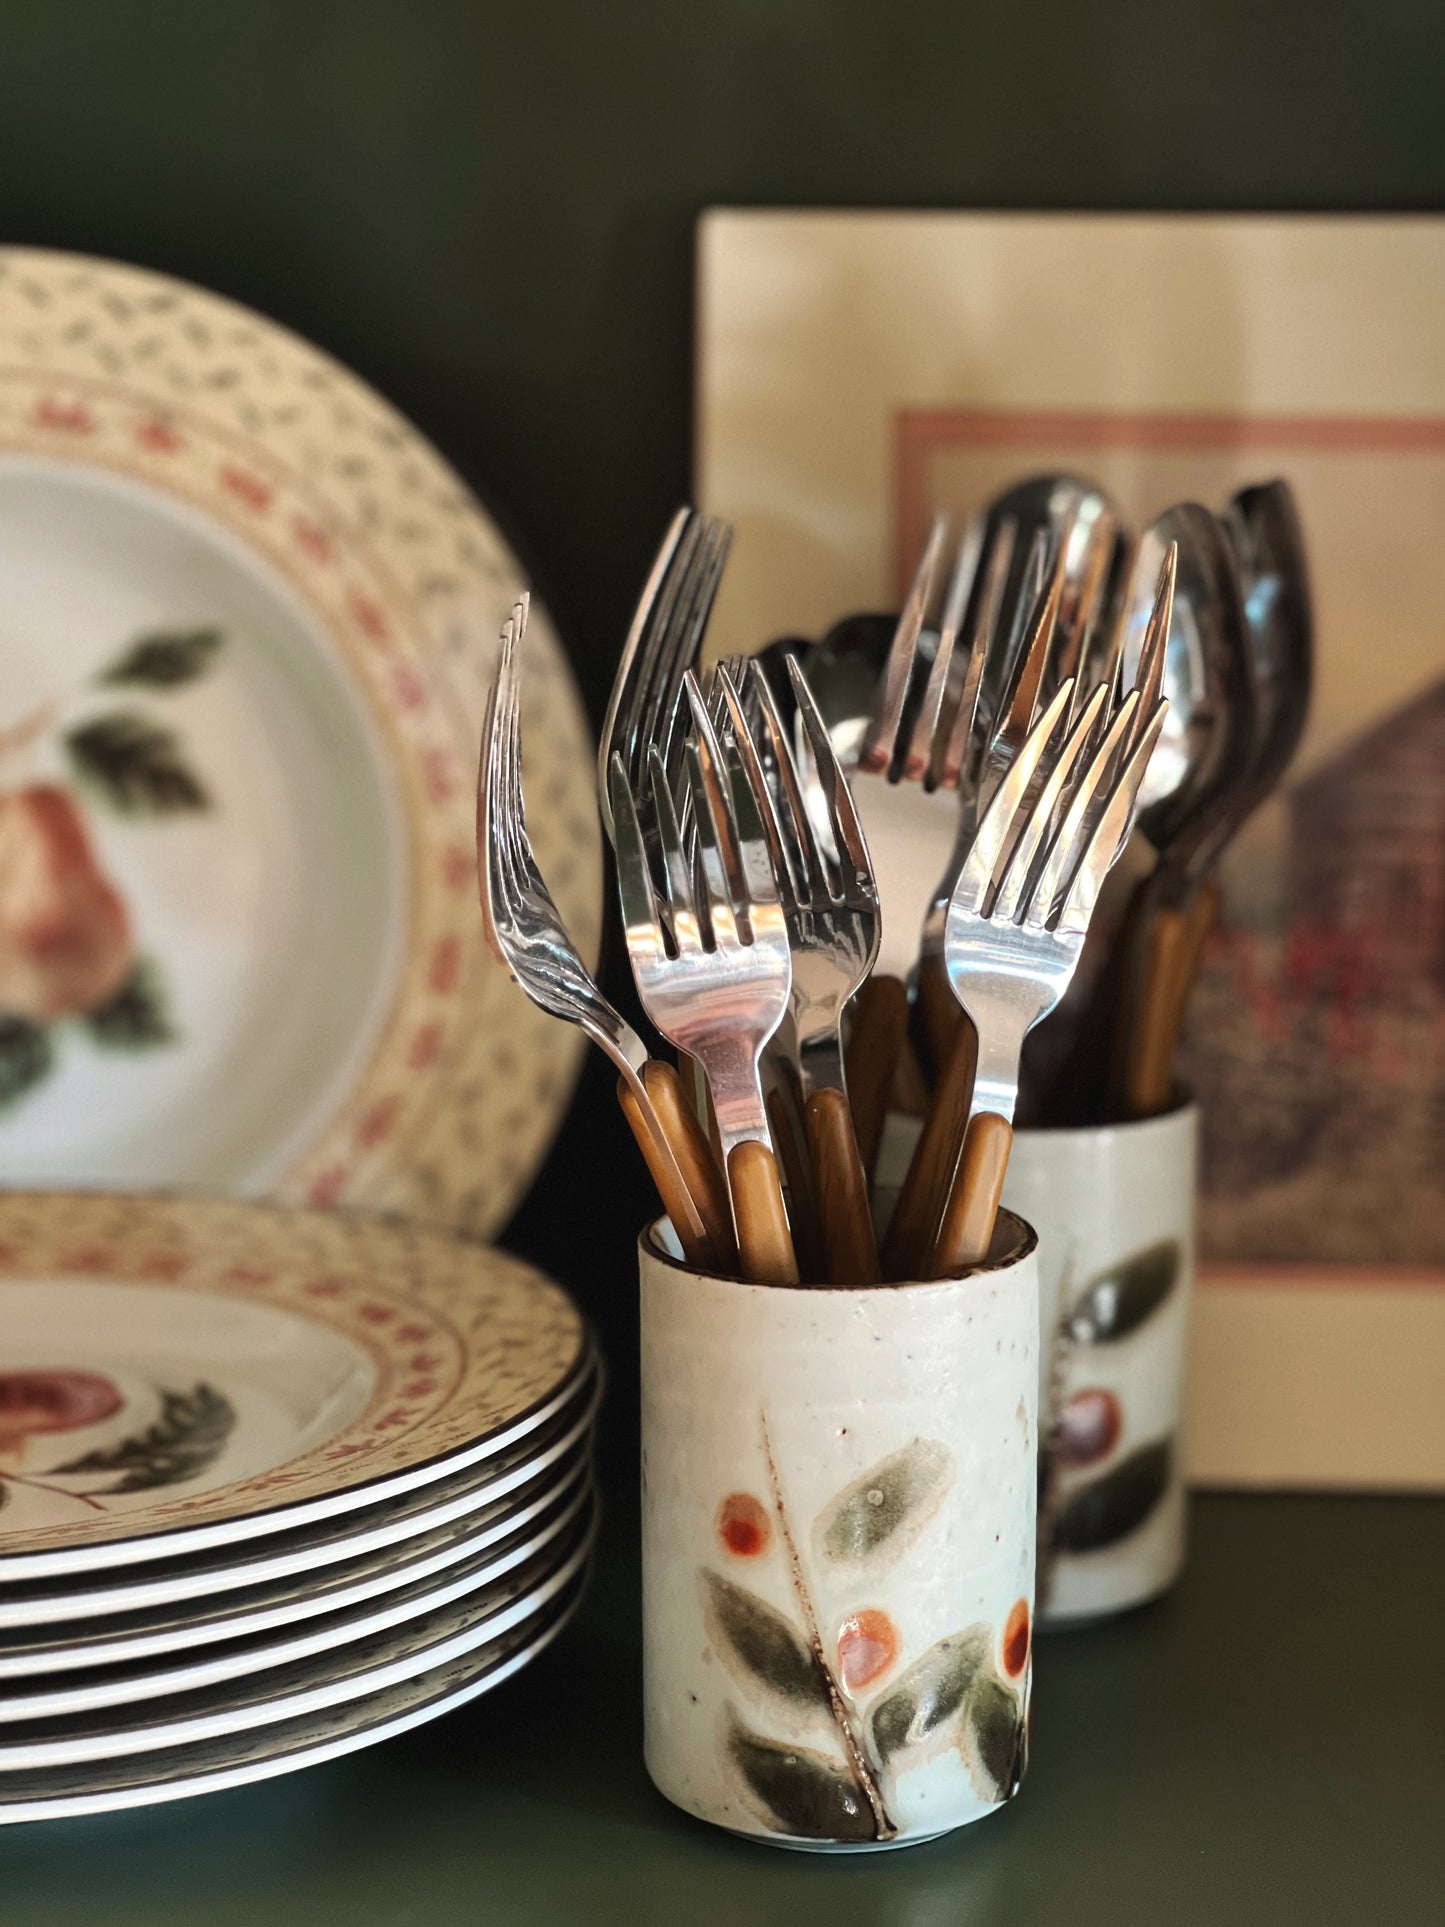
{"x": 487, "y": 209}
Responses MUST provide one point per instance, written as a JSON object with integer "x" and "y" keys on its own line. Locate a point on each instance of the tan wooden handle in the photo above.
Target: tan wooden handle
{"x": 677, "y": 1200}
{"x": 940, "y": 1016}
{"x": 851, "y": 1254}
{"x": 1157, "y": 1009}
{"x": 968, "y": 1217}
{"x": 765, "y": 1245}
{"x": 913, "y": 1230}
{"x": 880, "y": 1022}
{"x": 701, "y": 1172}
{"x": 786, "y": 1128}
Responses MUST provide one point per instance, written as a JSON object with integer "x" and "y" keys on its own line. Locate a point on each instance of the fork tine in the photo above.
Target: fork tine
{"x": 686, "y": 647}
{"x": 852, "y": 845}
{"x": 1094, "y": 865}
{"x": 1072, "y": 834}
{"x": 712, "y": 863}
{"x": 801, "y": 842}
{"x": 881, "y": 740}
{"x": 629, "y": 670}
{"x": 982, "y": 627}
{"x": 1023, "y": 858}
{"x": 672, "y": 570}
{"x": 1149, "y": 677}
{"x": 1016, "y": 712}
{"x": 686, "y": 934}
{"x": 717, "y": 790}
{"x": 634, "y": 881}
{"x": 976, "y": 874}
{"x": 781, "y": 850}
{"x": 920, "y": 753}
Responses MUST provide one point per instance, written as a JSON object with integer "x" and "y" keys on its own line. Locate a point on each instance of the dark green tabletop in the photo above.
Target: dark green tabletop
{"x": 1267, "y": 1745}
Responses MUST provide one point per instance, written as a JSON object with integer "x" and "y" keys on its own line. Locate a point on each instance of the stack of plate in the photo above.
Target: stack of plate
{"x": 275, "y": 1485}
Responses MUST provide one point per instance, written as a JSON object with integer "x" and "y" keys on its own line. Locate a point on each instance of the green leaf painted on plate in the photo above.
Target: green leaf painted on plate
{"x": 794, "y": 1790}
{"x": 136, "y": 1017}
{"x": 993, "y": 1744}
{"x": 761, "y": 1648}
{"x": 877, "y": 1518}
{"x": 1110, "y": 1508}
{"x": 134, "y": 765}
{"x": 166, "y": 659}
{"x": 27, "y": 1057}
{"x": 1121, "y": 1299}
{"x": 188, "y": 1437}
{"x": 919, "y": 1713}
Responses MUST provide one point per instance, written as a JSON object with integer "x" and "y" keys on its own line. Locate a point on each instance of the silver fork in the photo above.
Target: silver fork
{"x": 717, "y": 984}
{"x": 830, "y": 907}
{"x": 913, "y": 804}
{"x": 663, "y": 642}
{"x": 526, "y": 933}
{"x": 1018, "y": 917}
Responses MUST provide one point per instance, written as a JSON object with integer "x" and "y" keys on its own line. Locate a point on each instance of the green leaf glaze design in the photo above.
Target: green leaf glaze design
{"x": 794, "y": 1790}
{"x": 760, "y": 1648}
{"x": 993, "y": 1743}
{"x": 26, "y": 1057}
{"x": 188, "y": 1436}
{"x": 1109, "y": 1509}
{"x": 136, "y": 1017}
{"x": 874, "y": 1521}
{"x": 167, "y": 659}
{"x": 1120, "y": 1300}
{"x": 134, "y": 765}
{"x": 919, "y": 1713}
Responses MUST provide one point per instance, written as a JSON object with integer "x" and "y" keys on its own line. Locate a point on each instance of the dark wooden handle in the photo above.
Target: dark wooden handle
{"x": 1149, "y": 1080}
{"x": 880, "y": 1022}
{"x": 968, "y": 1217}
{"x": 701, "y": 1172}
{"x": 786, "y": 1128}
{"x": 913, "y": 1230}
{"x": 677, "y": 1200}
{"x": 938, "y": 1017}
{"x": 851, "y": 1254}
{"x": 765, "y": 1245}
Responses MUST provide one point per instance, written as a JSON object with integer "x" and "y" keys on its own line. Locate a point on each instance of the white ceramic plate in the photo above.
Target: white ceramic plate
{"x": 268, "y": 1697}
{"x": 249, "y": 616}
{"x": 476, "y": 1580}
{"x": 180, "y": 1375}
{"x": 66, "y": 1640}
{"x": 491, "y": 1500}
{"x": 306, "y": 1740}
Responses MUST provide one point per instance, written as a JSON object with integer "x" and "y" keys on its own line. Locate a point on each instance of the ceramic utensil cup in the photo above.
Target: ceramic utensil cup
{"x": 1114, "y": 1209}
{"x": 838, "y": 1547}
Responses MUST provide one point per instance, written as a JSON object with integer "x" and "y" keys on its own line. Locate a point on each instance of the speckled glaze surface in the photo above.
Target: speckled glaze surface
{"x": 838, "y": 1548}
{"x": 1114, "y": 1208}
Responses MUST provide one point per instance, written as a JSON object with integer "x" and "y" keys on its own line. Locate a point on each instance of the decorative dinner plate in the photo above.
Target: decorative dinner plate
{"x": 488, "y": 1579}
{"x": 267, "y": 1697}
{"x": 160, "y": 1630}
{"x": 181, "y": 1375}
{"x": 249, "y": 616}
{"x": 308, "y": 1739}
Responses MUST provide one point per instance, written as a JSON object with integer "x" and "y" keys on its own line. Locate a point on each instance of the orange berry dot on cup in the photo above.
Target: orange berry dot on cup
{"x": 743, "y": 1526}
{"x": 867, "y": 1646}
{"x": 1016, "y": 1638}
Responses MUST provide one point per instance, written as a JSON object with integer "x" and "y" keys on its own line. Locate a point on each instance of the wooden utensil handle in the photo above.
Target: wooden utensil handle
{"x": 938, "y": 1017}
{"x": 880, "y": 1020}
{"x": 696, "y": 1159}
{"x": 677, "y": 1200}
{"x": 765, "y": 1245}
{"x": 968, "y": 1217}
{"x": 913, "y": 1230}
{"x": 1157, "y": 1008}
{"x": 786, "y": 1128}
{"x": 847, "y": 1224}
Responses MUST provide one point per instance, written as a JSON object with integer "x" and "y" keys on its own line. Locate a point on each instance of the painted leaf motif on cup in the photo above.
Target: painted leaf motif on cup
{"x": 874, "y": 1521}
{"x": 1110, "y": 1508}
{"x": 920, "y": 1714}
{"x": 761, "y": 1649}
{"x": 1123, "y": 1298}
{"x": 795, "y": 1790}
{"x": 993, "y": 1741}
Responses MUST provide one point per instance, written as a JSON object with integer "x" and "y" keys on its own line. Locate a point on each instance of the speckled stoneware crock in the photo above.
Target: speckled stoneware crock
{"x": 838, "y": 1547}
{"x": 1114, "y": 1208}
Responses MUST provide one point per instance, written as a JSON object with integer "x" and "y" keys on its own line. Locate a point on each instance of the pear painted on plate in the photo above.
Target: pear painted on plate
{"x": 66, "y": 946}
